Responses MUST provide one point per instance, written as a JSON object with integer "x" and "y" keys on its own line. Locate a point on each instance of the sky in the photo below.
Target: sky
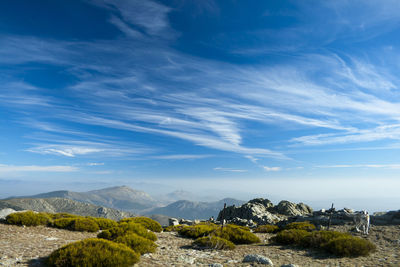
{"x": 294, "y": 100}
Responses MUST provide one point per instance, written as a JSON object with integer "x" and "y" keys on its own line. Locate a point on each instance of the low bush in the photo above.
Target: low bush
{"x": 62, "y": 223}
{"x": 349, "y": 246}
{"x": 124, "y": 228}
{"x": 199, "y": 230}
{"x": 60, "y": 215}
{"x": 268, "y": 228}
{"x": 77, "y": 224}
{"x": 139, "y": 244}
{"x": 300, "y": 226}
{"x": 148, "y": 223}
{"x": 93, "y": 252}
{"x": 318, "y": 239}
{"x": 237, "y": 234}
{"x": 28, "y": 218}
{"x": 213, "y": 242}
{"x": 173, "y": 228}
{"x": 291, "y": 236}
{"x": 104, "y": 223}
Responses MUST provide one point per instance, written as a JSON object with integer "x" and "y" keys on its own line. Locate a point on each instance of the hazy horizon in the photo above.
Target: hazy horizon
{"x": 295, "y": 100}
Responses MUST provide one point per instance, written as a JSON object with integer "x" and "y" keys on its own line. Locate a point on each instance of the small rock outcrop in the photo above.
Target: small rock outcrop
{"x": 291, "y": 209}
{"x": 5, "y": 212}
{"x": 262, "y": 211}
{"x": 173, "y": 221}
{"x": 386, "y": 218}
{"x": 257, "y": 259}
{"x": 256, "y": 210}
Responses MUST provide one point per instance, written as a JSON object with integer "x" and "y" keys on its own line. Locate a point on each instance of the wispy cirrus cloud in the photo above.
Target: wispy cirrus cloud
{"x": 203, "y": 102}
{"x": 272, "y": 169}
{"x": 148, "y": 16}
{"x": 81, "y": 148}
{"x": 228, "y": 169}
{"x": 182, "y": 156}
{"x": 37, "y": 168}
{"x": 374, "y": 166}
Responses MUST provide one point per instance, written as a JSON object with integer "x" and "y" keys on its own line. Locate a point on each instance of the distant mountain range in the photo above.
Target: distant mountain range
{"x": 125, "y": 199}
{"x": 195, "y": 210}
{"x": 118, "y": 197}
{"x": 55, "y": 205}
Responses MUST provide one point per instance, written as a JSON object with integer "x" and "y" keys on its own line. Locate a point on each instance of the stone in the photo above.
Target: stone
{"x": 173, "y": 221}
{"x": 289, "y": 265}
{"x": 187, "y": 222}
{"x": 257, "y": 259}
{"x": 288, "y": 208}
{"x": 304, "y": 209}
{"x": 215, "y": 265}
{"x": 51, "y": 238}
{"x": 186, "y": 259}
{"x": 5, "y": 212}
{"x": 256, "y": 210}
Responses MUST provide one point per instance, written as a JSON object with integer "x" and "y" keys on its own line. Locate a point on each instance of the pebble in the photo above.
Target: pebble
{"x": 257, "y": 259}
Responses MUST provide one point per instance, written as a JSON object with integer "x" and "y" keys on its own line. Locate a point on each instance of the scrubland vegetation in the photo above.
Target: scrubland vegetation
{"x": 217, "y": 237}
{"x": 336, "y": 243}
{"x": 118, "y": 244}
{"x": 121, "y": 243}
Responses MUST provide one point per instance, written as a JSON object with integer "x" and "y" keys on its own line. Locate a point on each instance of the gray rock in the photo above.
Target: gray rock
{"x": 304, "y": 209}
{"x": 187, "y": 222}
{"x": 5, "y": 212}
{"x": 256, "y": 210}
{"x": 187, "y": 259}
{"x": 291, "y": 209}
{"x": 173, "y": 221}
{"x": 257, "y": 259}
{"x": 215, "y": 265}
{"x": 386, "y": 218}
{"x": 289, "y": 265}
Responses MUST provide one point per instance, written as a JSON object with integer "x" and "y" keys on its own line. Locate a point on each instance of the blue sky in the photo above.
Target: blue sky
{"x": 259, "y": 97}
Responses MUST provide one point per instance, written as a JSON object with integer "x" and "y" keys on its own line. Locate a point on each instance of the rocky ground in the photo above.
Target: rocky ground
{"x": 26, "y": 246}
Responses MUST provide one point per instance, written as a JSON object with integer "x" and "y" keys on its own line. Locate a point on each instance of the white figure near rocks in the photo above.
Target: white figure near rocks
{"x": 361, "y": 220}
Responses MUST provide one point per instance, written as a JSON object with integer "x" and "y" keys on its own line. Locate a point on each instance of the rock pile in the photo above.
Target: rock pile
{"x": 386, "y": 218}
{"x": 262, "y": 211}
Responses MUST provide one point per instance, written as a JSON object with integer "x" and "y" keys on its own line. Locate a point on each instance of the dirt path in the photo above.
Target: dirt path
{"x": 25, "y": 246}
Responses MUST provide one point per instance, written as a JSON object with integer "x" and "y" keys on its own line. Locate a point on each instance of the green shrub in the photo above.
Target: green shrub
{"x": 199, "y": 230}
{"x": 60, "y": 215}
{"x": 62, "y": 223}
{"x": 124, "y": 228}
{"x": 300, "y": 226}
{"x": 213, "y": 242}
{"x": 85, "y": 225}
{"x": 237, "y": 234}
{"x": 139, "y": 244}
{"x": 76, "y": 224}
{"x": 173, "y": 228}
{"x": 104, "y": 223}
{"x": 317, "y": 239}
{"x": 349, "y": 246}
{"x": 148, "y": 223}
{"x": 93, "y": 252}
{"x": 291, "y": 236}
{"x": 266, "y": 229}
{"x": 28, "y": 218}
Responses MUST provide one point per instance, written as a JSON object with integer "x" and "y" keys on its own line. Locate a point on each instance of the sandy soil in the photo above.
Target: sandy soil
{"x": 27, "y": 246}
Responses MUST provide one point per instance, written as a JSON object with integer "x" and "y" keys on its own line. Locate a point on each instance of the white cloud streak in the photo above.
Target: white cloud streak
{"x": 272, "y": 169}
{"x": 374, "y": 166}
{"x": 36, "y": 168}
{"x": 182, "y": 157}
{"x": 207, "y": 103}
{"x": 228, "y": 169}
